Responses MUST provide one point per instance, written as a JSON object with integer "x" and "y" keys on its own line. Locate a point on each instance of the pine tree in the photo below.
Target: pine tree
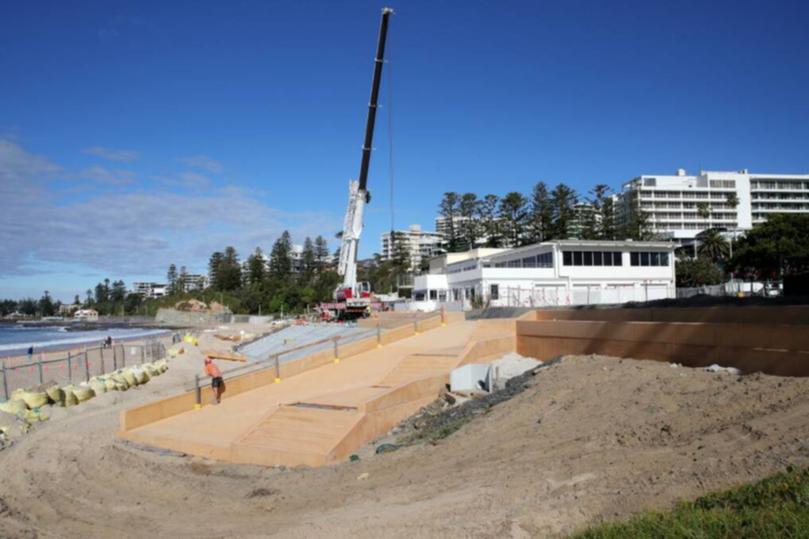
{"x": 513, "y": 213}
{"x": 255, "y": 268}
{"x": 214, "y": 264}
{"x": 321, "y": 252}
{"x": 280, "y": 259}
{"x": 487, "y": 216}
{"x": 563, "y": 202}
{"x": 541, "y": 213}
{"x": 230, "y": 271}
{"x": 449, "y": 210}
{"x": 469, "y": 224}
{"x": 171, "y": 277}
{"x": 308, "y": 258}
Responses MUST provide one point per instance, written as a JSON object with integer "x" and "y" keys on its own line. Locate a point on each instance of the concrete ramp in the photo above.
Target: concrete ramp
{"x": 325, "y": 413}
{"x": 419, "y": 366}
{"x": 296, "y": 434}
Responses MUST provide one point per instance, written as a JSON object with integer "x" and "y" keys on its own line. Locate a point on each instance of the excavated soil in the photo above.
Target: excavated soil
{"x": 589, "y": 439}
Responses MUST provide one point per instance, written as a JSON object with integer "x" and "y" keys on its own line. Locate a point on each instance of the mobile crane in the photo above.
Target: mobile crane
{"x": 353, "y": 299}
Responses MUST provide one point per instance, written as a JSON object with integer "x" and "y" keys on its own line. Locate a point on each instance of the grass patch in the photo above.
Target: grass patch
{"x": 777, "y": 506}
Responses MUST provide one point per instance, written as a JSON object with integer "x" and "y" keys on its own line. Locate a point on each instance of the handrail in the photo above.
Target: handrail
{"x": 272, "y": 358}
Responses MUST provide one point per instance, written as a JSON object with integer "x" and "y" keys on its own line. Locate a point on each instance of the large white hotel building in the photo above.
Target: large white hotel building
{"x": 680, "y": 206}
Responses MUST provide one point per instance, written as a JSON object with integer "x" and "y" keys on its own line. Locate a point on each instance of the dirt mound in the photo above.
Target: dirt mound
{"x": 584, "y": 440}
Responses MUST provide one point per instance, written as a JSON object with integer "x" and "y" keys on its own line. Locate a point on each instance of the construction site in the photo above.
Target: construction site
{"x": 361, "y": 439}
{"x": 359, "y": 421}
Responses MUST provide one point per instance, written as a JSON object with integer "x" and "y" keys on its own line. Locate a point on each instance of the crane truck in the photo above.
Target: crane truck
{"x": 353, "y": 299}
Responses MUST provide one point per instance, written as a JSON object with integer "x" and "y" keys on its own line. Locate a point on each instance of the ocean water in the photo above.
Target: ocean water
{"x": 15, "y": 339}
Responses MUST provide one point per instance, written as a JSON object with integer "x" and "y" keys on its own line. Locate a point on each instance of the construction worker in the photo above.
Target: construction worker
{"x": 216, "y": 378}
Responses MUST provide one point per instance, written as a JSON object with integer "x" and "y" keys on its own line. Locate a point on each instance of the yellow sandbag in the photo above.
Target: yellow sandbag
{"x": 161, "y": 365}
{"x": 150, "y": 370}
{"x": 110, "y": 384}
{"x": 13, "y": 407}
{"x": 121, "y": 387}
{"x": 129, "y": 377}
{"x": 120, "y": 381}
{"x": 70, "y": 396}
{"x": 34, "y": 416}
{"x": 98, "y": 387}
{"x": 83, "y": 393}
{"x": 140, "y": 375}
{"x": 56, "y": 394}
{"x": 35, "y": 399}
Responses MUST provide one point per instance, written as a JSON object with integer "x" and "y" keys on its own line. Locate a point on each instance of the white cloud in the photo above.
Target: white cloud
{"x": 130, "y": 233}
{"x": 202, "y": 162}
{"x": 108, "y": 176}
{"x": 123, "y": 156}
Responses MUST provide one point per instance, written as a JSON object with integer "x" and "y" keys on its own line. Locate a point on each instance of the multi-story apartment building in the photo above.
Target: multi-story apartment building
{"x": 194, "y": 281}
{"x": 150, "y": 290}
{"x": 681, "y": 206}
{"x": 419, "y": 243}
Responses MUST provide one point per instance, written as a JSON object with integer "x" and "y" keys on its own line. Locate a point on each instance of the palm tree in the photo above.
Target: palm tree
{"x": 713, "y": 246}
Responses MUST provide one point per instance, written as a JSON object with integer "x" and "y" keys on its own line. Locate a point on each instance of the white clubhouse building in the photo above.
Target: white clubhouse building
{"x": 563, "y": 272}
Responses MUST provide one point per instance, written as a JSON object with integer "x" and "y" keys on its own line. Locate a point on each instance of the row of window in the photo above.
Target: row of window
{"x": 591, "y": 258}
{"x": 648, "y": 259}
{"x": 659, "y": 225}
{"x": 795, "y": 184}
{"x": 544, "y": 260}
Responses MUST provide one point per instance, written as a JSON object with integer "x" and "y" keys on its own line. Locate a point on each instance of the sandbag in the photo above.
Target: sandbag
{"x": 98, "y": 386}
{"x": 120, "y": 381}
{"x": 140, "y": 375}
{"x": 110, "y": 384}
{"x": 129, "y": 377}
{"x": 161, "y": 365}
{"x": 150, "y": 370}
{"x": 83, "y": 392}
{"x": 34, "y": 416}
{"x": 70, "y": 396}
{"x": 56, "y": 394}
{"x": 13, "y": 407}
{"x": 34, "y": 399}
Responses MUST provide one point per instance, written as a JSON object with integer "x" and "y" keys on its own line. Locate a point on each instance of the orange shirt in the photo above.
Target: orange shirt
{"x": 212, "y": 370}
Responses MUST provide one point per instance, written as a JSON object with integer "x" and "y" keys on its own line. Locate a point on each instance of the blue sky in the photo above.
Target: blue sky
{"x": 136, "y": 134}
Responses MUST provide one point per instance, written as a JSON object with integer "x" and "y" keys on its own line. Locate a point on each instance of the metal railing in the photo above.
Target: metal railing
{"x": 273, "y": 360}
{"x": 77, "y": 366}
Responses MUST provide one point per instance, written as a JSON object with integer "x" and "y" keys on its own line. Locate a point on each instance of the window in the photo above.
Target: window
{"x": 494, "y": 291}
{"x": 433, "y": 294}
{"x": 529, "y": 262}
{"x": 545, "y": 260}
{"x": 645, "y": 258}
{"x": 591, "y": 258}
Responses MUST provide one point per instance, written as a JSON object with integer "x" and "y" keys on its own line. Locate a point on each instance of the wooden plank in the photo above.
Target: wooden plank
{"x": 227, "y": 356}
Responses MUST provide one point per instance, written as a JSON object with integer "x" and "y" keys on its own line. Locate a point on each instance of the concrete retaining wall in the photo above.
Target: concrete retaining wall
{"x": 779, "y": 349}
{"x": 787, "y": 314}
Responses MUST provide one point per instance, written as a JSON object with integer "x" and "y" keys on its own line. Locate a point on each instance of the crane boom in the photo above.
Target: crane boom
{"x": 358, "y": 194}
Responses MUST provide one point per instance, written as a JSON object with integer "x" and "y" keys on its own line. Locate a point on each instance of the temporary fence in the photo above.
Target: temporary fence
{"x": 732, "y": 288}
{"x": 77, "y": 365}
{"x": 580, "y": 295}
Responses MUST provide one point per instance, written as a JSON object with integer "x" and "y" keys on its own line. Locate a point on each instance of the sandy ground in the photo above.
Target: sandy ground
{"x": 592, "y": 438}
